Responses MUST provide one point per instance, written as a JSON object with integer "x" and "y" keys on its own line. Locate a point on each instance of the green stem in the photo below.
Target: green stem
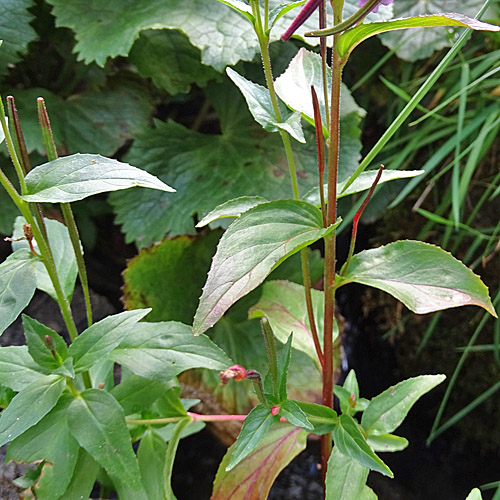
{"x": 170, "y": 457}
{"x": 266, "y": 61}
{"x": 69, "y": 219}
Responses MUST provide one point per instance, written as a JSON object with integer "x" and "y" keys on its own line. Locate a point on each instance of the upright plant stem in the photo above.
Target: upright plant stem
{"x": 266, "y": 61}
{"x": 330, "y": 247}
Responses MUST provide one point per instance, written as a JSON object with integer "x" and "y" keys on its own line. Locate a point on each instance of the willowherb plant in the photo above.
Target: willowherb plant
{"x": 70, "y": 418}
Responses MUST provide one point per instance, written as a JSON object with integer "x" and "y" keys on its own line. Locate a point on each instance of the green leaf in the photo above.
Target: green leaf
{"x": 294, "y": 415}
{"x": 354, "y": 36}
{"x": 97, "y": 422}
{"x": 283, "y": 304}
{"x": 64, "y": 257}
{"x": 160, "y": 351}
{"x": 284, "y": 357}
{"x": 322, "y": 418}
{"x": 250, "y": 249}
{"x": 78, "y": 176}
{"x": 151, "y": 457}
{"x": 136, "y": 394}
{"x": 220, "y": 33}
{"x": 294, "y": 87}
{"x": 368, "y": 494}
{"x": 30, "y": 406}
{"x": 363, "y": 182}
{"x": 35, "y": 334}
{"x": 386, "y": 411}
{"x": 83, "y": 479}
{"x": 345, "y": 478}
{"x": 231, "y": 208}
{"x": 243, "y": 160}
{"x": 244, "y": 9}
{"x": 351, "y": 442}
{"x": 18, "y": 369}
{"x": 167, "y": 57}
{"x": 93, "y": 121}
{"x": 17, "y": 32}
{"x": 475, "y": 494}
{"x": 260, "y": 105}
{"x": 255, "y": 427}
{"x": 344, "y": 396}
{"x": 102, "y": 337}
{"x": 422, "y": 276}
{"x": 17, "y": 286}
{"x": 387, "y": 442}
{"x": 183, "y": 260}
{"x": 412, "y": 45}
{"x": 282, "y": 9}
{"x": 49, "y": 440}
{"x": 254, "y": 475}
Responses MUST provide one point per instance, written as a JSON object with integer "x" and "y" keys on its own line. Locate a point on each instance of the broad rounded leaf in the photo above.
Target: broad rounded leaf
{"x": 250, "y": 249}
{"x": 160, "y": 351}
{"x": 17, "y": 286}
{"x": 354, "y": 36}
{"x": 253, "y": 477}
{"x": 422, "y": 276}
{"x": 386, "y": 412}
{"x": 78, "y": 176}
{"x": 97, "y": 422}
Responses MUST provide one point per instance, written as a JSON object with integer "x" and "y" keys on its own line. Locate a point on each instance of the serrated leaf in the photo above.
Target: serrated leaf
{"x": 97, "y": 422}
{"x": 242, "y": 161}
{"x": 345, "y": 478}
{"x": 160, "y": 351}
{"x": 422, "y": 276}
{"x": 283, "y": 304}
{"x": 354, "y": 36}
{"x": 386, "y": 412}
{"x": 253, "y": 477}
{"x": 94, "y": 121}
{"x": 386, "y": 442}
{"x": 167, "y": 57}
{"x": 30, "y": 406}
{"x": 231, "y": 208}
{"x": 220, "y": 33}
{"x": 17, "y": 286}
{"x": 102, "y": 337}
{"x": 49, "y": 440}
{"x": 363, "y": 182}
{"x": 62, "y": 250}
{"x": 250, "y": 249}
{"x": 78, "y": 176}
{"x": 18, "y": 369}
{"x": 35, "y": 333}
{"x": 412, "y": 45}
{"x": 17, "y": 32}
{"x": 183, "y": 260}
{"x": 260, "y": 105}
{"x": 350, "y": 442}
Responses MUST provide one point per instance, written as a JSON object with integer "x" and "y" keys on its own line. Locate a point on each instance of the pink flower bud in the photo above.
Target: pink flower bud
{"x": 275, "y": 410}
{"x": 236, "y": 371}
